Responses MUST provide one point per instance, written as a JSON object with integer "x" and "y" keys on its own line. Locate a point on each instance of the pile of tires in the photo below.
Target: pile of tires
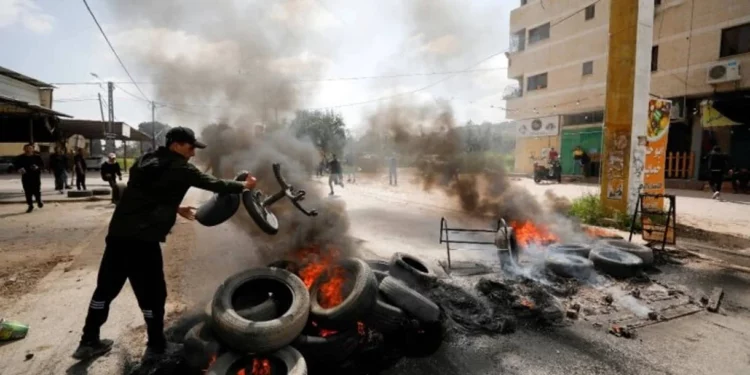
{"x": 266, "y": 320}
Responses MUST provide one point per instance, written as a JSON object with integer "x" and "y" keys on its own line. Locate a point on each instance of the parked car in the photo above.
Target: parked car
{"x": 6, "y": 164}
{"x": 94, "y": 163}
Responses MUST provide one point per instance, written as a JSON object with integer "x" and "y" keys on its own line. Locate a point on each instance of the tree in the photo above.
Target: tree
{"x": 326, "y": 130}
{"x": 160, "y": 129}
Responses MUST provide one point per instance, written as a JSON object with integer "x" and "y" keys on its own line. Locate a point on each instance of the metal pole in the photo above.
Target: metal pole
{"x": 111, "y": 108}
{"x": 153, "y": 126}
{"x": 101, "y": 107}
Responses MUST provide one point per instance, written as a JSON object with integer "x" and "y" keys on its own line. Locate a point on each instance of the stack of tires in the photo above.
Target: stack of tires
{"x": 615, "y": 257}
{"x": 267, "y": 318}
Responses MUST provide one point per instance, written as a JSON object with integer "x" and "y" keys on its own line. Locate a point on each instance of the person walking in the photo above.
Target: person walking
{"x": 58, "y": 164}
{"x": 335, "y": 173}
{"x": 393, "y": 171}
{"x": 146, "y": 213}
{"x": 30, "y": 165}
{"x": 352, "y": 166}
{"x": 110, "y": 170}
{"x": 578, "y": 160}
{"x": 717, "y": 165}
{"x": 79, "y": 165}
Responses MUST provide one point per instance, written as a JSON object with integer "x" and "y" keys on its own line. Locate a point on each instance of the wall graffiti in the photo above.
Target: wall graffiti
{"x": 638, "y": 163}
{"x": 615, "y": 165}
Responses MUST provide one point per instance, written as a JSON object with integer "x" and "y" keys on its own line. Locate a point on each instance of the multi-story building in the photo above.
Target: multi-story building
{"x": 558, "y": 56}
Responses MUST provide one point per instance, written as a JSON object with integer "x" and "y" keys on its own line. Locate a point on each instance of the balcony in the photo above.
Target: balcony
{"x": 512, "y": 92}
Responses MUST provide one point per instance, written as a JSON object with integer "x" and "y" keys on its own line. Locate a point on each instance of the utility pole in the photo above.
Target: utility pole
{"x": 111, "y": 108}
{"x": 153, "y": 125}
{"x": 101, "y": 106}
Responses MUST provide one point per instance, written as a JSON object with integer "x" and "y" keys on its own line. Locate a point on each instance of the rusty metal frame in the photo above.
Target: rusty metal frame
{"x": 445, "y": 230}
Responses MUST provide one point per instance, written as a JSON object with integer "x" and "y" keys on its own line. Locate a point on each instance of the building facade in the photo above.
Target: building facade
{"x": 558, "y": 58}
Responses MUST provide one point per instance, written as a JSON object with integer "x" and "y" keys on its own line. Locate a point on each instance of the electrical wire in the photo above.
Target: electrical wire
{"x": 113, "y": 49}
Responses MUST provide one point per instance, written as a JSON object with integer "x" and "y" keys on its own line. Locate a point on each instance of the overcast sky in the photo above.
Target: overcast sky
{"x": 57, "y": 41}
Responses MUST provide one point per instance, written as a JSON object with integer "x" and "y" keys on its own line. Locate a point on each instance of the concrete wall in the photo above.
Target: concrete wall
{"x": 529, "y": 149}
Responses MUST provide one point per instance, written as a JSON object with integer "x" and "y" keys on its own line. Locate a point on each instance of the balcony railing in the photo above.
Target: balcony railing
{"x": 511, "y": 92}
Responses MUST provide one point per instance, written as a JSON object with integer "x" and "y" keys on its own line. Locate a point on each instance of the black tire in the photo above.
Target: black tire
{"x": 644, "y": 252}
{"x": 266, "y": 310}
{"x": 218, "y": 209}
{"x": 379, "y": 268}
{"x": 80, "y": 193}
{"x": 424, "y": 341}
{"x": 411, "y": 270}
{"x": 288, "y": 265}
{"x": 409, "y": 300}
{"x": 262, "y": 217}
{"x": 509, "y": 244}
{"x": 101, "y": 191}
{"x": 200, "y": 346}
{"x": 569, "y": 265}
{"x": 250, "y": 336}
{"x": 335, "y": 348}
{"x": 120, "y": 192}
{"x": 386, "y": 318}
{"x": 615, "y": 262}
{"x": 572, "y": 249}
{"x": 230, "y": 363}
{"x": 356, "y": 304}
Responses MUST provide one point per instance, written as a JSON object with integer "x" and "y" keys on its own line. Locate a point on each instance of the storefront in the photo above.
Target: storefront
{"x": 589, "y": 138}
{"x": 725, "y": 123}
{"x": 535, "y": 137}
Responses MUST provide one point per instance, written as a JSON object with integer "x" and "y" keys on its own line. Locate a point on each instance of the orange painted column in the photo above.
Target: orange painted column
{"x": 626, "y": 112}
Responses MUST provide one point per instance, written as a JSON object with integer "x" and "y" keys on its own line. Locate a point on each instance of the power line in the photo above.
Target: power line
{"x": 113, "y": 48}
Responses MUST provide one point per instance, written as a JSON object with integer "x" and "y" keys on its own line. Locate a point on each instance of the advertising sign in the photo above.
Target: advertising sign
{"x": 657, "y": 130}
{"x": 538, "y": 127}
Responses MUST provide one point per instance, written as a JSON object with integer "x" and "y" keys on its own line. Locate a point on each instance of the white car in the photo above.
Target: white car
{"x": 94, "y": 163}
{"x": 6, "y": 164}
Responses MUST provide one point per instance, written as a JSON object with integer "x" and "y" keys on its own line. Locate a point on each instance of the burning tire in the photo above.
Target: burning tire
{"x": 285, "y": 361}
{"x": 379, "y": 268}
{"x": 643, "y": 252}
{"x": 410, "y": 270}
{"x": 201, "y": 346}
{"x": 250, "y": 288}
{"x": 409, "y": 300}
{"x": 386, "y": 318}
{"x": 507, "y": 245}
{"x": 288, "y": 265}
{"x": 266, "y": 310}
{"x": 265, "y": 219}
{"x": 615, "y": 262}
{"x": 569, "y": 265}
{"x": 362, "y": 293}
{"x": 218, "y": 209}
{"x": 335, "y": 348}
{"x": 571, "y": 249}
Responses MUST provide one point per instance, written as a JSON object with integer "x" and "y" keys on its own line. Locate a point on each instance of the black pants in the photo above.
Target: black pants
{"x": 716, "y": 180}
{"x": 60, "y": 179}
{"x": 32, "y": 186}
{"x": 141, "y": 263}
{"x": 112, "y": 181}
{"x": 81, "y": 180}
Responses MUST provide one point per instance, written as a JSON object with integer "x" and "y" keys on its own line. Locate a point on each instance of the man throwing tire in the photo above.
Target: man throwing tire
{"x": 146, "y": 213}
{"x": 110, "y": 170}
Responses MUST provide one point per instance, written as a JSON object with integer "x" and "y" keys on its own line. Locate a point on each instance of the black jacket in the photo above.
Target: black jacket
{"x": 158, "y": 183}
{"x": 58, "y": 162}
{"x": 112, "y": 169}
{"x": 26, "y": 162}
{"x": 79, "y": 163}
{"x": 717, "y": 161}
{"x": 335, "y": 166}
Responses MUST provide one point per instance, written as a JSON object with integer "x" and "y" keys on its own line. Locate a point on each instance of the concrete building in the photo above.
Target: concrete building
{"x": 558, "y": 56}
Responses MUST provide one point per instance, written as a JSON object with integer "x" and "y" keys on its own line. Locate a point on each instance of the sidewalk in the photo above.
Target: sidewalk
{"x": 11, "y": 191}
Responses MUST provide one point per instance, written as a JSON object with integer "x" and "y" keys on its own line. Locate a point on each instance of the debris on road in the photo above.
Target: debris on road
{"x": 621, "y": 331}
{"x": 715, "y": 300}
{"x": 12, "y": 330}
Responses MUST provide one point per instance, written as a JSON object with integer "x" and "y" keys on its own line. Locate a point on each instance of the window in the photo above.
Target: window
{"x": 539, "y": 33}
{"x": 657, "y": 2}
{"x": 588, "y": 68}
{"x": 536, "y": 82}
{"x": 590, "y": 12}
{"x": 654, "y": 58}
{"x": 518, "y": 41}
{"x": 735, "y": 40}
{"x": 583, "y": 118}
{"x": 524, "y": 2}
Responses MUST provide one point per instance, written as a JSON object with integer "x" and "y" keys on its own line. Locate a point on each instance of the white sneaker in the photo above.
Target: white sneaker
{"x": 716, "y": 195}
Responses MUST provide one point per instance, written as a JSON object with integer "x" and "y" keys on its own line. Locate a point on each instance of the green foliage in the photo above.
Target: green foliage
{"x": 326, "y": 130}
{"x": 589, "y": 210}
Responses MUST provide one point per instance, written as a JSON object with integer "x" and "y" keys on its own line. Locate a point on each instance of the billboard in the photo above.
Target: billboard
{"x": 657, "y": 134}
{"x": 538, "y": 127}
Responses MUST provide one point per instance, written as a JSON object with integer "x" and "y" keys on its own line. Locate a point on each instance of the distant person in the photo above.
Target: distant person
{"x": 393, "y": 171}
{"x": 336, "y": 175}
{"x": 717, "y": 166}
{"x": 110, "y": 170}
{"x": 79, "y": 165}
{"x": 578, "y": 159}
{"x": 352, "y": 164}
{"x": 553, "y": 155}
{"x": 30, "y": 165}
{"x": 740, "y": 178}
{"x": 58, "y": 164}
{"x": 585, "y": 163}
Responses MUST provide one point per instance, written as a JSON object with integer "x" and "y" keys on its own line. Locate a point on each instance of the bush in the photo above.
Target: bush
{"x": 589, "y": 210}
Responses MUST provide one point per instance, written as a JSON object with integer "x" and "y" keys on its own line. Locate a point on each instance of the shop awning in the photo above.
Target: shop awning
{"x": 734, "y": 108}
{"x": 16, "y": 107}
{"x": 93, "y": 129}
{"x": 711, "y": 117}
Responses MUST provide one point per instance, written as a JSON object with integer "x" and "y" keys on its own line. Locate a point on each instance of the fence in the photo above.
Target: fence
{"x": 680, "y": 165}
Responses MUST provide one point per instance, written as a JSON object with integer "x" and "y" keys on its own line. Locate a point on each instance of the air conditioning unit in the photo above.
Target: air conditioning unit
{"x": 723, "y": 71}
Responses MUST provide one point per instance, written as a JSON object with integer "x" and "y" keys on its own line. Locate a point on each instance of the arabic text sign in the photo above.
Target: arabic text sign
{"x": 657, "y": 131}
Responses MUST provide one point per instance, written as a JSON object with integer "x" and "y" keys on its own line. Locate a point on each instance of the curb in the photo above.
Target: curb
{"x": 68, "y": 200}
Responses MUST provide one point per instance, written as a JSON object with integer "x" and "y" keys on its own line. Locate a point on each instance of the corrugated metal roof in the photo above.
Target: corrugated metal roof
{"x": 33, "y": 107}
{"x": 23, "y": 78}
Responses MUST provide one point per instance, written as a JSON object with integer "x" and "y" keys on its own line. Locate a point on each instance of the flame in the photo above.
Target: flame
{"x": 361, "y": 328}
{"x": 316, "y": 262}
{"x": 527, "y": 303}
{"x": 210, "y": 362}
{"x": 597, "y": 232}
{"x": 260, "y": 367}
{"x": 528, "y": 233}
{"x": 324, "y": 332}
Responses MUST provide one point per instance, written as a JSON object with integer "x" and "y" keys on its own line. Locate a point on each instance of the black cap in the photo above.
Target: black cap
{"x": 181, "y": 134}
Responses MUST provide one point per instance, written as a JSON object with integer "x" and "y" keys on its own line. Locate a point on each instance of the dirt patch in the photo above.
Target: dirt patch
{"x": 715, "y": 239}
{"x": 21, "y": 280}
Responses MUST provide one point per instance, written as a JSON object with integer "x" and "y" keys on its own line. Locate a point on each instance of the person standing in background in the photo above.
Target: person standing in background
{"x": 578, "y": 159}
{"x": 335, "y": 176}
{"x": 110, "y": 171}
{"x": 58, "y": 164}
{"x": 717, "y": 166}
{"x": 79, "y": 164}
{"x": 393, "y": 171}
{"x": 30, "y": 165}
